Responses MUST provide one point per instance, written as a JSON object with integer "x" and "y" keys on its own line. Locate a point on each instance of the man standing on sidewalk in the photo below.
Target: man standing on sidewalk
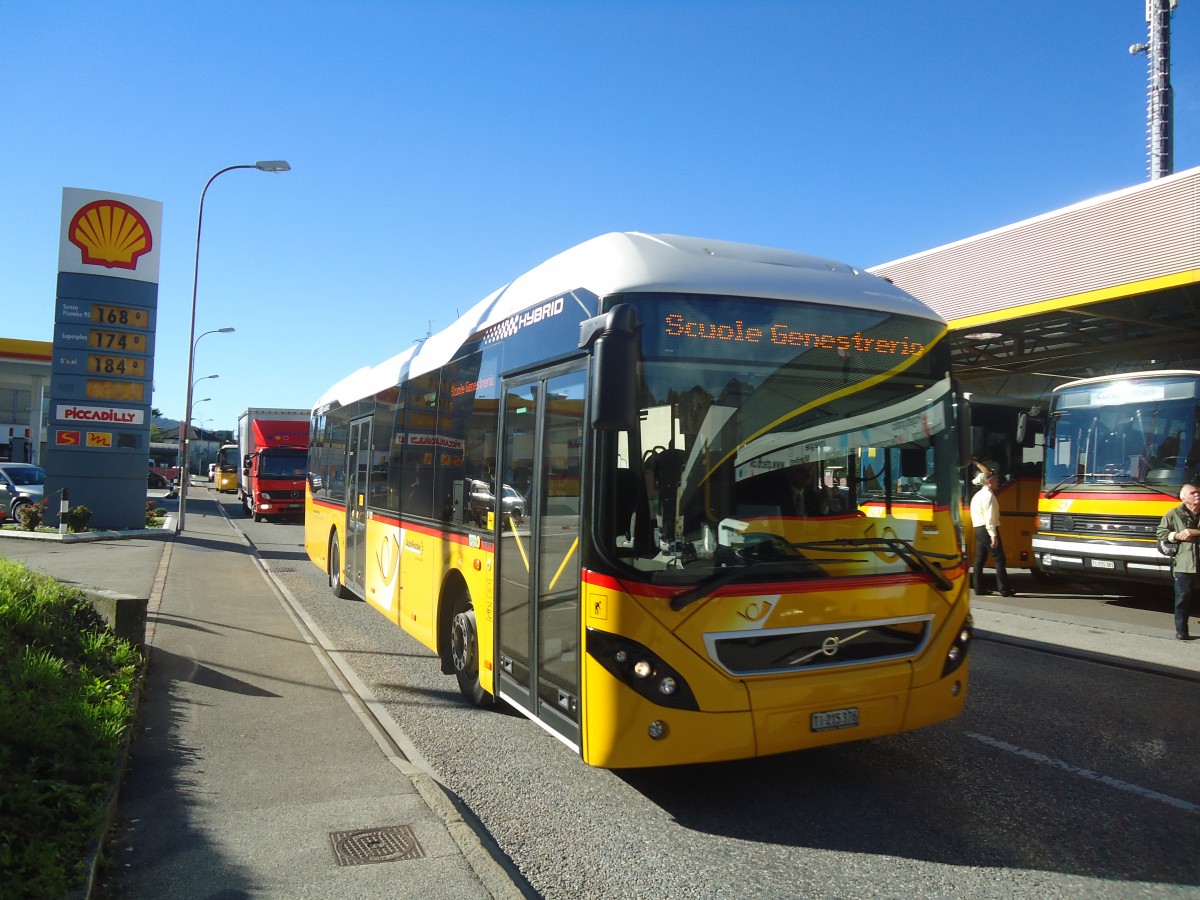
{"x": 985, "y": 519}
{"x": 1179, "y": 526}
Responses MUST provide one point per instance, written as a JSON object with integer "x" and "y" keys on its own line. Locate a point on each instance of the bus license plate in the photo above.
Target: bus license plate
{"x": 835, "y": 718}
{"x": 1102, "y": 564}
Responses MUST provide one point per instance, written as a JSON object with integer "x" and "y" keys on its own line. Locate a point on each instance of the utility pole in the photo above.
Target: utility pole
{"x": 1160, "y": 101}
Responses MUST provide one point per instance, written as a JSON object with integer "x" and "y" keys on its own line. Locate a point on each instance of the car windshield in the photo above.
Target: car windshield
{"x": 25, "y": 475}
{"x": 797, "y": 456}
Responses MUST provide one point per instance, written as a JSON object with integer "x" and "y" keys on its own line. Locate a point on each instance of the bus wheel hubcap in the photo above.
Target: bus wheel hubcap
{"x": 462, "y": 640}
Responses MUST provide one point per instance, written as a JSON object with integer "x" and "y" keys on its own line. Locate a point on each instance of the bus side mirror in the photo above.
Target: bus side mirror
{"x": 966, "y": 436}
{"x": 613, "y": 339}
{"x": 1029, "y": 426}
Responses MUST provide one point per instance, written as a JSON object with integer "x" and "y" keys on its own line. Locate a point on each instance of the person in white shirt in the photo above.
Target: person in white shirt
{"x": 985, "y": 519}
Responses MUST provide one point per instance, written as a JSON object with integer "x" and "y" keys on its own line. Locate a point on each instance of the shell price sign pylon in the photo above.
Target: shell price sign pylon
{"x": 102, "y": 369}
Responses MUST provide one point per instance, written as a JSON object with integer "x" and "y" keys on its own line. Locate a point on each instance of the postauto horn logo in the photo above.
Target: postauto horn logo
{"x": 111, "y": 234}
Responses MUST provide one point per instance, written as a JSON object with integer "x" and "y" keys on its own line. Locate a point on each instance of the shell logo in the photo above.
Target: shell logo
{"x": 110, "y": 233}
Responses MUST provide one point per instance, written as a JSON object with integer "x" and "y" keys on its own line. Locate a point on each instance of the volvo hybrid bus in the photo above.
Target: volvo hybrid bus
{"x": 645, "y": 582}
{"x": 1118, "y": 449}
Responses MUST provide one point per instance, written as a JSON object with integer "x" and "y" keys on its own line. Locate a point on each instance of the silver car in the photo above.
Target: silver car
{"x": 21, "y": 484}
{"x": 481, "y": 501}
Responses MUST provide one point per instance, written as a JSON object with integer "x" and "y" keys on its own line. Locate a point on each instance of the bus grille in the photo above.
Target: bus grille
{"x": 1104, "y": 526}
{"x": 818, "y": 647}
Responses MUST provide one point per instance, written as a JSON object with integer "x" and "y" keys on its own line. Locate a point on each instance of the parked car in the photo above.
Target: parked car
{"x": 154, "y": 480}
{"x": 23, "y": 484}
{"x": 481, "y": 501}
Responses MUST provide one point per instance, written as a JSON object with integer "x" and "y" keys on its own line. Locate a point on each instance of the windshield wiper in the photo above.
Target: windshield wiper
{"x": 770, "y": 549}
{"x": 914, "y": 558}
{"x": 1073, "y": 477}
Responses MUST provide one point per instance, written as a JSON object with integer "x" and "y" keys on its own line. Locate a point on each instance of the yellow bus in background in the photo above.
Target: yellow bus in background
{"x": 1118, "y": 450}
{"x": 592, "y": 497}
{"x": 225, "y": 475}
{"x": 1005, "y": 438}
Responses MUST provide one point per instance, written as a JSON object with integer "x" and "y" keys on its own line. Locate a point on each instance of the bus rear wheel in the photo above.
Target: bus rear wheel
{"x": 335, "y": 569}
{"x": 464, "y": 655}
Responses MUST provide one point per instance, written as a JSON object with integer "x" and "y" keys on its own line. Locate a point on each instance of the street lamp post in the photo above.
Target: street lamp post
{"x": 188, "y": 454}
{"x": 271, "y": 165}
{"x": 185, "y": 428}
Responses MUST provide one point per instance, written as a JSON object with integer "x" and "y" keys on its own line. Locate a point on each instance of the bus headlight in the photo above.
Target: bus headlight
{"x": 641, "y": 670}
{"x": 957, "y": 653}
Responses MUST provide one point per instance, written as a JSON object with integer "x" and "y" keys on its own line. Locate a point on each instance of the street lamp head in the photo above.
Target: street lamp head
{"x": 226, "y": 330}
{"x": 272, "y": 165}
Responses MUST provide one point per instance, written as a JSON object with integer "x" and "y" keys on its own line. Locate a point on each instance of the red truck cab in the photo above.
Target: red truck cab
{"x": 273, "y": 444}
{"x": 275, "y": 479}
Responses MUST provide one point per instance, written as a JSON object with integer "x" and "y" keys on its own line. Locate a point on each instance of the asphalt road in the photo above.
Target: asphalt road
{"x": 1064, "y": 778}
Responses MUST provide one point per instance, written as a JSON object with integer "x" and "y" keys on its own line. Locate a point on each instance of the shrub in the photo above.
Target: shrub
{"x": 153, "y": 512}
{"x": 31, "y": 515}
{"x": 77, "y": 518}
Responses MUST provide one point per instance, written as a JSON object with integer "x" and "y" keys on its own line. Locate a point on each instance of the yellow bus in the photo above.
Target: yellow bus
{"x": 1118, "y": 450}
{"x": 1016, "y": 453}
{"x": 996, "y": 439}
{"x": 583, "y": 497}
{"x": 228, "y": 465}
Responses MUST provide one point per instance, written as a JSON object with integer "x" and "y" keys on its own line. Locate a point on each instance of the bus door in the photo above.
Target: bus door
{"x": 358, "y": 468}
{"x": 537, "y": 621}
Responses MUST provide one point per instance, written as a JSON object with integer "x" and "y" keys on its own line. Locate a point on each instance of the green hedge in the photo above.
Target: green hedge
{"x": 66, "y": 702}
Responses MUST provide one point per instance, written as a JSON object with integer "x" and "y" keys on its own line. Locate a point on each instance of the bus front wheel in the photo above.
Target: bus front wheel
{"x": 335, "y": 569}
{"x": 464, "y": 655}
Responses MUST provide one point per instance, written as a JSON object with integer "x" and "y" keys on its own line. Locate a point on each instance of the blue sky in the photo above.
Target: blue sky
{"x": 439, "y": 149}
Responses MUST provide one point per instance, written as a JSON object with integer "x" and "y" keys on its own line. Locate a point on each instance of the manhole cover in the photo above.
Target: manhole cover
{"x": 374, "y": 845}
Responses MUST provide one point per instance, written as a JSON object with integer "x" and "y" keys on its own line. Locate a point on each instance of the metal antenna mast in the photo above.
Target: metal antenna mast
{"x": 1160, "y": 101}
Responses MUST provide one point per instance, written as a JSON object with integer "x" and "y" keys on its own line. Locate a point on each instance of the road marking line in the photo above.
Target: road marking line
{"x": 1184, "y": 805}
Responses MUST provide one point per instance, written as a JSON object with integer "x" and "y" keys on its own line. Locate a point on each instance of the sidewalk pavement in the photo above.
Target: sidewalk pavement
{"x": 251, "y": 772}
{"x": 256, "y": 770}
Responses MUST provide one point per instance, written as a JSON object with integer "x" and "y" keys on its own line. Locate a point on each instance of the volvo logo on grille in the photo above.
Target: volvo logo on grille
{"x": 829, "y": 647}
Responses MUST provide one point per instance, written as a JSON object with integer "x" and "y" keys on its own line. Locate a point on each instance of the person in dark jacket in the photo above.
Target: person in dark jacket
{"x": 1179, "y": 525}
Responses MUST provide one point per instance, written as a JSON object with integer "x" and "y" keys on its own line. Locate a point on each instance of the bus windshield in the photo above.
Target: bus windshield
{"x": 227, "y": 458}
{"x": 768, "y": 451}
{"x": 1138, "y": 431}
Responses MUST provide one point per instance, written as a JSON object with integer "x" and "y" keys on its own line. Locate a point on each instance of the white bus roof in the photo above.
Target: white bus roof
{"x": 621, "y": 262}
{"x": 1128, "y": 376}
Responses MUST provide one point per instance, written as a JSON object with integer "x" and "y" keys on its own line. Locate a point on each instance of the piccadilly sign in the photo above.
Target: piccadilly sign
{"x": 73, "y": 413}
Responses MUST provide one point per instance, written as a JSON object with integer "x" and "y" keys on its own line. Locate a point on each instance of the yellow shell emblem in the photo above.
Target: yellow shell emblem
{"x": 111, "y": 234}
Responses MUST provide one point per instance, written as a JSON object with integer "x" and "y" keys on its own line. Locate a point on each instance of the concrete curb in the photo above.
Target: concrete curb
{"x": 94, "y": 860}
{"x": 477, "y": 848}
{"x": 168, "y": 530}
